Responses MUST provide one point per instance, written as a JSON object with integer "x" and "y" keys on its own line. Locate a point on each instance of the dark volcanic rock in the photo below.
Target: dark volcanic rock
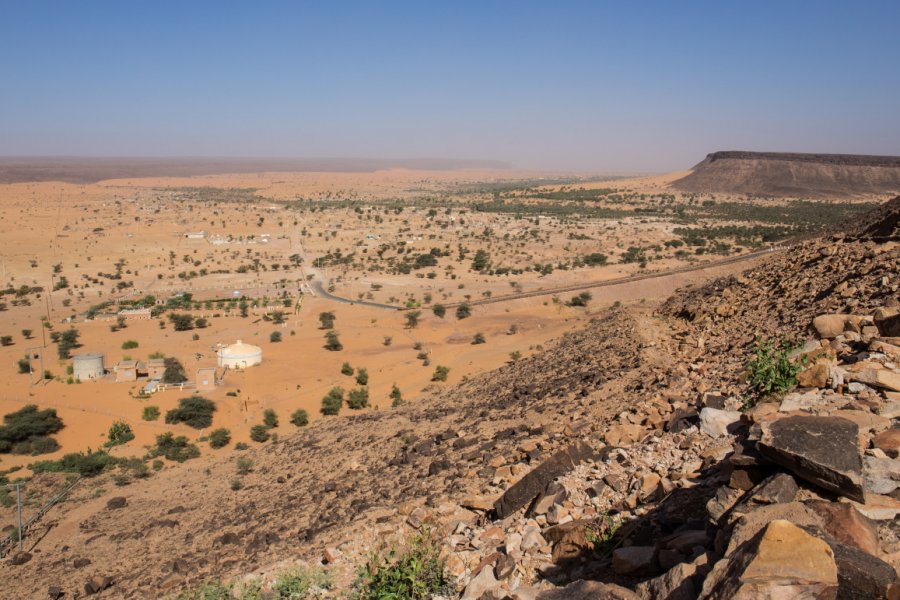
{"x": 822, "y": 450}
{"x": 117, "y": 502}
{"x": 534, "y": 483}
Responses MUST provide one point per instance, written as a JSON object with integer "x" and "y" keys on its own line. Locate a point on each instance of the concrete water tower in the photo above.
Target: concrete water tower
{"x": 88, "y": 366}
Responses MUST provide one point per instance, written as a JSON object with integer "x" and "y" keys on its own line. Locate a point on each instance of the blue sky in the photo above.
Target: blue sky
{"x": 557, "y": 85}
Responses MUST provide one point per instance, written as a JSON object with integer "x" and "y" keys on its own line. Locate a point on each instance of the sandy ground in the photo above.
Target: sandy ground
{"x": 130, "y": 233}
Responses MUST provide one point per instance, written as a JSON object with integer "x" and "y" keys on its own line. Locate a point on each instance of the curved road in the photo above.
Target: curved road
{"x": 317, "y": 284}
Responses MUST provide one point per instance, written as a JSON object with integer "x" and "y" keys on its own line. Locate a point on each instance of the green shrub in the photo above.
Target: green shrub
{"x": 440, "y": 373}
{"x": 358, "y": 398}
{"x": 119, "y": 433}
{"x": 439, "y": 310}
{"x": 771, "y": 370}
{"x": 194, "y": 411}
{"x": 362, "y": 377}
{"x": 396, "y": 396}
{"x": 300, "y": 418}
{"x": 346, "y": 369}
{"x": 259, "y": 433}
{"x": 151, "y": 413}
{"x": 85, "y": 464}
{"x": 243, "y": 465}
{"x": 416, "y": 573}
{"x": 129, "y": 345}
{"x": 478, "y": 339}
{"x": 463, "y": 311}
{"x": 219, "y": 438}
{"x": 301, "y": 582}
{"x": 332, "y": 402}
{"x": 270, "y": 418}
{"x": 333, "y": 342}
{"x": 174, "y": 448}
{"x": 24, "y": 366}
{"x": 26, "y": 423}
{"x": 275, "y": 337}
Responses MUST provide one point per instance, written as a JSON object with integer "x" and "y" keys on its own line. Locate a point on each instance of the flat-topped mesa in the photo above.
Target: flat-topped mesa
{"x": 793, "y": 174}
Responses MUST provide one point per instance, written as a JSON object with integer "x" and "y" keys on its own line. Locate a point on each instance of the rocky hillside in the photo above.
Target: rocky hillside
{"x": 635, "y": 458}
{"x": 793, "y": 175}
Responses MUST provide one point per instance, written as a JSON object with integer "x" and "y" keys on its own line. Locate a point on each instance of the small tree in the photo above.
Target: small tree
{"x": 181, "y": 322}
{"x": 358, "y": 398}
{"x": 396, "y": 396}
{"x": 478, "y": 339}
{"x": 412, "y": 319}
{"x": 270, "y": 418}
{"x": 300, "y": 418}
{"x": 6, "y": 340}
{"x": 278, "y": 317}
{"x": 362, "y": 377}
{"x": 275, "y": 337}
{"x": 332, "y": 342}
{"x": 581, "y": 299}
{"x": 439, "y": 310}
{"x": 174, "y": 371}
{"x": 194, "y": 411}
{"x": 219, "y": 438}
{"x": 440, "y": 373}
{"x": 259, "y": 433}
{"x": 119, "y": 433}
{"x": 327, "y": 320}
{"x": 68, "y": 340}
{"x": 332, "y": 402}
{"x": 24, "y": 366}
{"x": 201, "y": 323}
{"x": 463, "y": 311}
{"x": 26, "y": 333}
{"x": 346, "y": 369}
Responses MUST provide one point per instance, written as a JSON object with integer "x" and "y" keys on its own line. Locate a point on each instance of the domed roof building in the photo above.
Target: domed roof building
{"x": 239, "y": 355}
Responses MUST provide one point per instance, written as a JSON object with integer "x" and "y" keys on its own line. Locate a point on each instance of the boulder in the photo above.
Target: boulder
{"x": 535, "y": 482}
{"x": 588, "y": 590}
{"x": 634, "y": 560}
{"x": 821, "y": 450}
{"x": 829, "y": 326}
{"x": 861, "y": 575}
{"x": 847, "y": 525}
{"x": 888, "y": 324}
{"x": 97, "y": 584}
{"x": 815, "y": 376}
{"x": 880, "y": 378}
{"x": 878, "y": 507}
{"x": 481, "y": 584}
{"x": 882, "y": 475}
{"x": 888, "y": 442}
{"x": 781, "y": 561}
{"x": 20, "y": 558}
{"x": 678, "y": 583}
{"x": 117, "y": 502}
{"x": 748, "y": 525}
{"x": 716, "y": 423}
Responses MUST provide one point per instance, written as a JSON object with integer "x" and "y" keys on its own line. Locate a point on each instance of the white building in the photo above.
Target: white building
{"x": 239, "y": 355}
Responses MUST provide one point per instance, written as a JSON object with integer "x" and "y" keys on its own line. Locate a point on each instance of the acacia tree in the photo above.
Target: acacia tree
{"x": 327, "y": 319}
{"x": 412, "y": 319}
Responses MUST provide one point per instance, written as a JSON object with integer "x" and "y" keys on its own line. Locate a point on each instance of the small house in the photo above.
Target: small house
{"x": 156, "y": 368}
{"x": 206, "y": 379}
{"x": 126, "y": 370}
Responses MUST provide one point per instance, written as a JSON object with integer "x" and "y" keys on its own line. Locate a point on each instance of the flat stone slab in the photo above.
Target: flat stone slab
{"x": 534, "y": 483}
{"x": 821, "y": 450}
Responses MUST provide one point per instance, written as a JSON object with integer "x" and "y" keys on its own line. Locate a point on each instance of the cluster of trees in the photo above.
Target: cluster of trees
{"x": 27, "y": 431}
{"x": 194, "y": 411}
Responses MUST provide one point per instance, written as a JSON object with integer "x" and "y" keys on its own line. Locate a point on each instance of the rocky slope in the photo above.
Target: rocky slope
{"x": 614, "y": 464}
{"x": 793, "y": 175}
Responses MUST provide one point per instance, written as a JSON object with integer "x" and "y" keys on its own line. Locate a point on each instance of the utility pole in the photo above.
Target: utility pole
{"x": 19, "y": 509}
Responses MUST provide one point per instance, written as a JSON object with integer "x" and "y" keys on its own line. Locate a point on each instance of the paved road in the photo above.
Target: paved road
{"x": 317, "y": 285}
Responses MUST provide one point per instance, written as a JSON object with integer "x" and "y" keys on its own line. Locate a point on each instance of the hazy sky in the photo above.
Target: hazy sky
{"x": 559, "y": 85}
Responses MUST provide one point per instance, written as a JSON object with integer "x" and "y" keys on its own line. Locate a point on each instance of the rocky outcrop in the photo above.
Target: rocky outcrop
{"x": 793, "y": 174}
